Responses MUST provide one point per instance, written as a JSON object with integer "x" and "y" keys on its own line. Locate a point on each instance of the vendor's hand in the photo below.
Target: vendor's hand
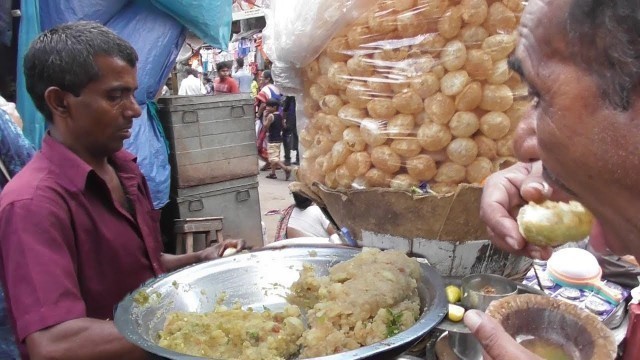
{"x": 497, "y": 344}
{"x": 504, "y": 193}
{"x": 217, "y": 250}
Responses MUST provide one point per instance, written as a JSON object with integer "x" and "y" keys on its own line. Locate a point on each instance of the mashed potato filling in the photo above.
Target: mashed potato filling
{"x": 362, "y": 301}
{"x": 234, "y": 333}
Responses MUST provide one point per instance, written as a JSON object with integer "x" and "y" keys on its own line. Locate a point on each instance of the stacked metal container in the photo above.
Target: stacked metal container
{"x": 214, "y": 161}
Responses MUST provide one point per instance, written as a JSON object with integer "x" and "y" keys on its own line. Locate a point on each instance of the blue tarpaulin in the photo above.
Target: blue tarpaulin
{"x": 210, "y": 20}
{"x": 156, "y": 36}
{"x": 156, "y": 29}
{"x": 56, "y": 12}
{"x": 33, "y": 121}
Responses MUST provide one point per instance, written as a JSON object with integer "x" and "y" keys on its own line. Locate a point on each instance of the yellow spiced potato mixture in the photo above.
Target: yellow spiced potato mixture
{"x": 234, "y": 334}
{"x": 362, "y": 301}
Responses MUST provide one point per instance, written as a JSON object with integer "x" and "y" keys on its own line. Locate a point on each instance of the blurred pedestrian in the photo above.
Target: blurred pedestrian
{"x": 273, "y": 124}
{"x": 290, "y": 132}
{"x": 269, "y": 91}
{"x": 224, "y": 83}
{"x": 15, "y": 149}
{"x": 303, "y": 219}
{"x": 191, "y": 85}
{"x": 255, "y": 86}
{"x": 208, "y": 86}
{"x": 243, "y": 77}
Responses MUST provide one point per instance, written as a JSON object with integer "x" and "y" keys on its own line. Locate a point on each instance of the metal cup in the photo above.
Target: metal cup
{"x": 475, "y": 296}
{"x": 474, "y": 290}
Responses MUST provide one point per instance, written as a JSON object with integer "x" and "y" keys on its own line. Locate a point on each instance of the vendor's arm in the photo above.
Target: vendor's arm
{"x": 82, "y": 338}
{"x": 174, "y": 262}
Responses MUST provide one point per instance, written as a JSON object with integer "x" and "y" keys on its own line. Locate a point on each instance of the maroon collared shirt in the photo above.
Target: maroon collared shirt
{"x": 67, "y": 250}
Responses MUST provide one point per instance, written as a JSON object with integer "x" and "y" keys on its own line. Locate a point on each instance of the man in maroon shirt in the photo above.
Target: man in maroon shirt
{"x": 224, "y": 83}
{"x": 77, "y": 227}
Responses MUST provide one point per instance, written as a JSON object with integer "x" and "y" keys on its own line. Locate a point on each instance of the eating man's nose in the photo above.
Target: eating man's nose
{"x": 525, "y": 140}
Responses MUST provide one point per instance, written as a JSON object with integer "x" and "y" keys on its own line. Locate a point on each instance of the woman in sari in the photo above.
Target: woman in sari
{"x": 269, "y": 91}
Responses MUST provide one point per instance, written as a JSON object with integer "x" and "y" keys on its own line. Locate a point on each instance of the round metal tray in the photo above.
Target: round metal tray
{"x": 261, "y": 279}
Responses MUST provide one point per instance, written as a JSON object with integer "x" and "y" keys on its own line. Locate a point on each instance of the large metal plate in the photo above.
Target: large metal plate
{"x": 261, "y": 279}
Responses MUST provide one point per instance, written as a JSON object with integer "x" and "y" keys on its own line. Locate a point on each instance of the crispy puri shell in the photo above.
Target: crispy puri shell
{"x": 554, "y": 223}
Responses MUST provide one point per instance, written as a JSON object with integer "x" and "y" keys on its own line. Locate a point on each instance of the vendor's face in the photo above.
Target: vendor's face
{"x": 589, "y": 149}
{"x": 100, "y": 119}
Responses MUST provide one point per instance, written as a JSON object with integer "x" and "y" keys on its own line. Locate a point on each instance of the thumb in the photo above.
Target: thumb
{"x": 495, "y": 341}
{"x": 535, "y": 189}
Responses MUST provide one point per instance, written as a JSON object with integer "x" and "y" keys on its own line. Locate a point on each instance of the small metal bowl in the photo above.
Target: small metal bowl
{"x": 478, "y": 291}
{"x": 475, "y": 296}
{"x": 261, "y": 279}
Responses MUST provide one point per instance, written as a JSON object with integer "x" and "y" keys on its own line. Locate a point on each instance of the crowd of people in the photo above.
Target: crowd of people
{"x": 225, "y": 82}
{"x": 276, "y": 128}
{"x": 78, "y": 230}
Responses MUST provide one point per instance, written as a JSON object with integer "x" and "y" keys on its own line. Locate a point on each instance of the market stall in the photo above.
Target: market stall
{"x": 406, "y": 107}
{"x": 405, "y": 117}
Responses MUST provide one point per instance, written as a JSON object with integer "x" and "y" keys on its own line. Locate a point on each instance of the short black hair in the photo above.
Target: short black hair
{"x": 223, "y": 65}
{"x": 604, "y": 39}
{"x": 240, "y": 63}
{"x": 191, "y": 71}
{"x": 64, "y": 57}
{"x": 272, "y": 103}
{"x": 302, "y": 202}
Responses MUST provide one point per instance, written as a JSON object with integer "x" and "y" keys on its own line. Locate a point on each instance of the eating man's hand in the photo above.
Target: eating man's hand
{"x": 496, "y": 343}
{"x": 503, "y": 195}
